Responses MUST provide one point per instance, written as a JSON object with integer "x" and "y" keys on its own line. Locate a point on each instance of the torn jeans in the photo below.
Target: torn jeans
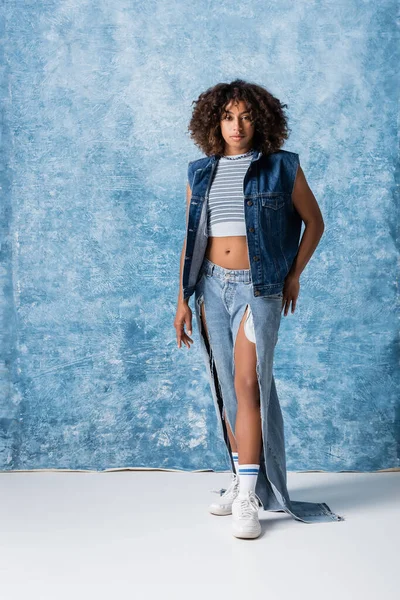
{"x": 225, "y": 295}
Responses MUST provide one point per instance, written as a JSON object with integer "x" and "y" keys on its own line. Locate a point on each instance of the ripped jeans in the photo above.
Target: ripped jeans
{"x": 226, "y": 295}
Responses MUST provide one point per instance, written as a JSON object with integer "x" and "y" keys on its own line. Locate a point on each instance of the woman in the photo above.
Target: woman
{"x": 246, "y": 201}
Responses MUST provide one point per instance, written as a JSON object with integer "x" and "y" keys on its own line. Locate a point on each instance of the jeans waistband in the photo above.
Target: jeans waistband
{"x": 238, "y": 275}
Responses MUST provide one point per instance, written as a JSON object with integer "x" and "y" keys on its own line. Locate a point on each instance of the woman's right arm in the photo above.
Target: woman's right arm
{"x": 183, "y": 315}
{"x": 180, "y": 296}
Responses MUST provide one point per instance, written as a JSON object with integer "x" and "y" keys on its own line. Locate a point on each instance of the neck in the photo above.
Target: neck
{"x": 230, "y": 153}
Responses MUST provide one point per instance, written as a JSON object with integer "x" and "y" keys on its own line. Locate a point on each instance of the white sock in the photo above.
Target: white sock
{"x": 247, "y": 478}
{"x": 235, "y": 457}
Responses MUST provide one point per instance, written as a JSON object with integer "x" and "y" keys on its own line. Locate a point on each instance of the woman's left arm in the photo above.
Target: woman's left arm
{"x": 309, "y": 211}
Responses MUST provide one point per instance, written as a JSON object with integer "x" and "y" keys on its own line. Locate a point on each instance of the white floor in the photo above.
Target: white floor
{"x": 148, "y": 534}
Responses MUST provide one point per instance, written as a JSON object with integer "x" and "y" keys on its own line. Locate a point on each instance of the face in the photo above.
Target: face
{"x": 235, "y": 121}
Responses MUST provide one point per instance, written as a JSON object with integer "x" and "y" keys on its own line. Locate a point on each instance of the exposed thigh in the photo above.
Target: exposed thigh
{"x": 245, "y": 355}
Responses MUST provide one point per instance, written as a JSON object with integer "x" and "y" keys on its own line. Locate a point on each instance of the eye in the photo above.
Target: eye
{"x": 228, "y": 117}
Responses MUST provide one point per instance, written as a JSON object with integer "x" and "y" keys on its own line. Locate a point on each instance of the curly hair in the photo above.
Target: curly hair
{"x": 266, "y": 111}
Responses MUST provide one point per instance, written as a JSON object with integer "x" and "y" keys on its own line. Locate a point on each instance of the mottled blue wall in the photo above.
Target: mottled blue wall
{"x": 96, "y": 98}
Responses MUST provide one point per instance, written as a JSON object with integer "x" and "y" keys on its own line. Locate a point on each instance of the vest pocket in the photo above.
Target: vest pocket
{"x": 274, "y": 200}
{"x": 272, "y": 217}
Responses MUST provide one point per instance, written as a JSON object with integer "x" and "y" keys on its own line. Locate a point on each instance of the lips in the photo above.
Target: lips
{"x": 237, "y": 137}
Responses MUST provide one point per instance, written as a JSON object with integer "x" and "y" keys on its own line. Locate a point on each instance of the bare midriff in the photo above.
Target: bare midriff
{"x": 229, "y": 252}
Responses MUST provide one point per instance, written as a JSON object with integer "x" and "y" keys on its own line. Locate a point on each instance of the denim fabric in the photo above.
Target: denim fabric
{"x": 273, "y": 224}
{"x": 226, "y": 293}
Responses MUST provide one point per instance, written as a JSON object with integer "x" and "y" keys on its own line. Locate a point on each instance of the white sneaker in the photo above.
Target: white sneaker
{"x": 223, "y": 506}
{"x": 245, "y": 523}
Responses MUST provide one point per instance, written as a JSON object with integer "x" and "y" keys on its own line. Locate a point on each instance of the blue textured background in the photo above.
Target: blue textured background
{"x": 96, "y": 98}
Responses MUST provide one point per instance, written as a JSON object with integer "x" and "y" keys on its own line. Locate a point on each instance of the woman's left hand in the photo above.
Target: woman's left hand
{"x": 291, "y": 291}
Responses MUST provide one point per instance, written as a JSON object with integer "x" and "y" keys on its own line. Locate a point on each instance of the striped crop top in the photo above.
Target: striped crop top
{"x": 226, "y": 199}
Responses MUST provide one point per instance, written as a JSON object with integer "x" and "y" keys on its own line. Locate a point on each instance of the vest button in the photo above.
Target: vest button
{"x": 256, "y": 293}
{"x": 251, "y": 229}
{"x": 256, "y": 258}
{"x": 249, "y": 203}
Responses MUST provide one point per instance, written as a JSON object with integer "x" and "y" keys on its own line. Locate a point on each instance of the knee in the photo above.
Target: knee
{"x": 247, "y": 386}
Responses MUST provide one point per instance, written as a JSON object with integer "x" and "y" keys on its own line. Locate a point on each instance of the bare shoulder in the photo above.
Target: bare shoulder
{"x": 304, "y": 200}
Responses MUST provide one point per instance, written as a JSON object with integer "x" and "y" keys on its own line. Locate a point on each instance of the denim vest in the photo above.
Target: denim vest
{"x": 273, "y": 224}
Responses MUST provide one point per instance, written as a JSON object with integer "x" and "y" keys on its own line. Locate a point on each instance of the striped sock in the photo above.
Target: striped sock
{"x": 235, "y": 457}
{"x": 247, "y": 478}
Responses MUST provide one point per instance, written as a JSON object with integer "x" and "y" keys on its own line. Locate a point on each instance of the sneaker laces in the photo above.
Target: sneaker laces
{"x": 226, "y": 491}
{"x": 248, "y": 506}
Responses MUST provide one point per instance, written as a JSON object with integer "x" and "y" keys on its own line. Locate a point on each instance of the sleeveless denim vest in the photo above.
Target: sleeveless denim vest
{"x": 273, "y": 224}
